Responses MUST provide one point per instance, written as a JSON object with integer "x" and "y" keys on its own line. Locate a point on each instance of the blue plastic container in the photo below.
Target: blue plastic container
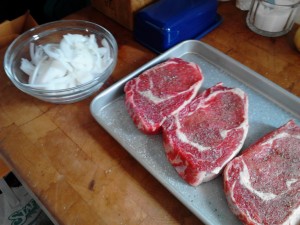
{"x": 165, "y": 23}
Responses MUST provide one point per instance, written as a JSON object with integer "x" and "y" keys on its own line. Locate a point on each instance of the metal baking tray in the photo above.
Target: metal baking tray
{"x": 270, "y": 106}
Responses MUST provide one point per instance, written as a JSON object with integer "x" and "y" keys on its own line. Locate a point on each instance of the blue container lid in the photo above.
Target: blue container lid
{"x": 165, "y": 23}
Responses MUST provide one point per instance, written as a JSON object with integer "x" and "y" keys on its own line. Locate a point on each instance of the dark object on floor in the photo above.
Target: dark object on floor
{"x": 12, "y": 181}
{"x": 42, "y": 11}
{"x": 51, "y": 10}
{"x": 12, "y": 9}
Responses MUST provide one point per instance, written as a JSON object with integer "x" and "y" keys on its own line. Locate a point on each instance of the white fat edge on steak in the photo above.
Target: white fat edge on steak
{"x": 245, "y": 181}
{"x": 237, "y": 91}
{"x": 206, "y": 176}
{"x": 196, "y": 87}
{"x": 202, "y": 176}
{"x": 290, "y": 182}
{"x": 245, "y": 176}
{"x": 223, "y": 133}
{"x": 149, "y": 95}
{"x": 244, "y": 125}
{"x": 281, "y": 135}
{"x": 237, "y": 210}
{"x": 140, "y": 124}
{"x": 293, "y": 219}
{"x": 156, "y": 100}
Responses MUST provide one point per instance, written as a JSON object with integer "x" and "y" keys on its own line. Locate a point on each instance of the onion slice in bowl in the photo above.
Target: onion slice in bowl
{"x": 77, "y": 59}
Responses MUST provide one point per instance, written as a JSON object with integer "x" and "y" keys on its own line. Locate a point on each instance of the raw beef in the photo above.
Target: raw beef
{"x": 205, "y": 135}
{"x": 160, "y": 91}
{"x": 262, "y": 185}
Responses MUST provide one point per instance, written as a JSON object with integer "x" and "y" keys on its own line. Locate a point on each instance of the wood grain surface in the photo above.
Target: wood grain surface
{"x": 77, "y": 171}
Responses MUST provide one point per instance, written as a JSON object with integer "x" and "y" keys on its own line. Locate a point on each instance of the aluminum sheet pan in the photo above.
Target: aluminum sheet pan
{"x": 270, "y": 106}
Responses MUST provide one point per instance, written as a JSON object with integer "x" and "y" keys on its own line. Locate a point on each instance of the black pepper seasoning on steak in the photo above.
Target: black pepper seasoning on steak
{"x": 262, "y": 185}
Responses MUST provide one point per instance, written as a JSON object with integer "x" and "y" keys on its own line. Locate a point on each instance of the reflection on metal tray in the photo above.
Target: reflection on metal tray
{"x": 270, "y": 106}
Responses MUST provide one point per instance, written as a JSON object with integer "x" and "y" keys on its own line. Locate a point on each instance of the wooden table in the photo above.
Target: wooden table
{"x": 77, "y": 171}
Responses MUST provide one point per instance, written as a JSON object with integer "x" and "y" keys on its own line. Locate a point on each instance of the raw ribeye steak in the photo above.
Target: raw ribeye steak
{"x": 204, "y": 136}
{"x": 262, "y": 185}
{"x": 160, "y": 91}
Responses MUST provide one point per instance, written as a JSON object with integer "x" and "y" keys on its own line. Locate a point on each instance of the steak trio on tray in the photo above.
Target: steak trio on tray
{"x": 203, "y": 132}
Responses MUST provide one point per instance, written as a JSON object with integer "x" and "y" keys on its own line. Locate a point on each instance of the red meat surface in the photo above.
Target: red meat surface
{"x": 160, "y": 91}
{"x": 262, "y": 185}
{"x": 206, "y": 134}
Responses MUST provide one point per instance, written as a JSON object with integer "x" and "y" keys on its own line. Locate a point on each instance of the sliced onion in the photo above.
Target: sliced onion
{"x": 36, "y": 54}
{"x": 27, "y": 66}
{"x": 33, "y": 77}
{"x": 51, "y": 70}
{"x": 76, "y": 60}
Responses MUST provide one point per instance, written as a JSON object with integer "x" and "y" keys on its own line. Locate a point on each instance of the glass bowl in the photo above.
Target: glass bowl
{"x": 53, "y": 33}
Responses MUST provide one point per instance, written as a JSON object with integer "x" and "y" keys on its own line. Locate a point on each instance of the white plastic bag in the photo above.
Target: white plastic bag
{"x": 17, "y": 207}
{"x": 243, "y": 4}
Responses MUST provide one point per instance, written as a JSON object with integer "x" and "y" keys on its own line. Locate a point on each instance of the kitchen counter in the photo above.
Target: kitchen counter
{"x": 77, "y": 172}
